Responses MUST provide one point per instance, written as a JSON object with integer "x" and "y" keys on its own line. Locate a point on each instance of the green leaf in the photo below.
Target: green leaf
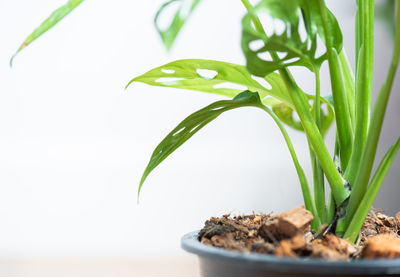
{"x": 288, "y": 116}
{"x": 185, "y": 9}
{"x": 52, "y": 20}
{"x": 221, "y": 78}
{"x": 193, "y": 123}
{"x": 369, "y": 197}
{"x": 374, "y": 131}
{"x": 288, "y": 21}
{"x": 215, "y": 77}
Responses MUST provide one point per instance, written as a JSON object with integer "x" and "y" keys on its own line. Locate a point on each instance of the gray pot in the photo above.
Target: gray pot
{"x": 217, "y": 262}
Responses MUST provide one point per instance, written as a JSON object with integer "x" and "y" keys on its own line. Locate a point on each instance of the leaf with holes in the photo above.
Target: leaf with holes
{"x": 293, "y": 40}
{"x": 215, "y": 77}
{"x": 52, "y": 20}
{"x": 185, "y": 8}
{"x": 227, "y": 79}
{"x": 193, "y": 123}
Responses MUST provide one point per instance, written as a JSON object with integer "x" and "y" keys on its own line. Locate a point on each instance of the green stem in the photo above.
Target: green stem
{"x": 307, "y": 196}
{"x": 368, "y": 155}
{"x": 335, "y": 180}
{"x": 318, "y": 174}
{"x": 330, "y": 213}
{"x": 364, "y": 75}
{"x": 359, "y": 30}
{"x": 342, "y": 113}
{"x": 349, "y": 84}
{"x": 311, "y": 129}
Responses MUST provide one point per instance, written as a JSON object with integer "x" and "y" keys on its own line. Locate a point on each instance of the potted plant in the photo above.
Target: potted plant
{"x": 277, "y": 35}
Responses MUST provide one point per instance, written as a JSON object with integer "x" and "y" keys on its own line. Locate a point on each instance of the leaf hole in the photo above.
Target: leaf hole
{"x": 324, "y": 109}
{"x": 168, "y": 80}
{"x": 302, "y": 30}
{"x": 227, "y": 85}
{"x": 217, "y": 108}
{"x": 292, "y": 60}
{"x": 295, "y": 116}
{"x": 279, "y": 26}
{"x": 262, "y": 82}
{"x": 185, "y": 9}
{"x": 207, "y": 74}
{"x": 195, "y": 129}
{"x": 256, "y": 45}
{"x": 265, "y": 56}
{"x": 179, "y": 131}
{"x": 165, "y": 17}
{"x": 267, "y": 22}
{"x": 281, "y": 55}
{"x": 321, "y": 49}
{"x": 168, "y": 71}
{"x": 309, "y": 44}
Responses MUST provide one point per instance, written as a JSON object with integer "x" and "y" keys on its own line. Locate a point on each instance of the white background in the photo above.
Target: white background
{"x": 73, "y": 143}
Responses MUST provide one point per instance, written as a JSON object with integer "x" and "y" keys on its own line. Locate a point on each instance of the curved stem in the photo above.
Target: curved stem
{"x": 307, "y": 196}
{"x": 336, "y": 181}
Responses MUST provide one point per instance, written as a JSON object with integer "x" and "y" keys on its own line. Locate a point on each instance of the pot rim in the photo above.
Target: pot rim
{"x": 191, "y": 244}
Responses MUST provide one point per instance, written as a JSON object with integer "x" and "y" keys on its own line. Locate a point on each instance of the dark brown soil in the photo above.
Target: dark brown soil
{"x": 288, "y": 235}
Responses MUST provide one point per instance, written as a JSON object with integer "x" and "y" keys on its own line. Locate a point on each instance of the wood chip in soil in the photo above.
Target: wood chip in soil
{"x": 288, "y": 235}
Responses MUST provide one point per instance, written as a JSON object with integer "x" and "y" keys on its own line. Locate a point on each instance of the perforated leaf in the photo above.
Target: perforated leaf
{"x": 227, "y": 79}
{"x": 215, "y": 77}
{"x": 192, "y": 124}
{"x": 294, "y": 38}
{"x": 177, "y": 21}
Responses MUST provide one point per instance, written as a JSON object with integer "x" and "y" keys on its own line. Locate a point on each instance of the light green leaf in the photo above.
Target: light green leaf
{"x": 227, "y": 79}
{"x": 373, "y": 189}
{"x": 169, "y": 33}
{"x": 288, "y": 116}
{"x": 193, "y": 123}
{"x": 52, "y": 20}
{"x": 290, "y": 22}
{"x": 215, "y": 77}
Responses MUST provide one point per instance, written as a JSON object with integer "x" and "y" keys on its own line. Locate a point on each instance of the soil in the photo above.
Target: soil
{"x": 289, "y": 235}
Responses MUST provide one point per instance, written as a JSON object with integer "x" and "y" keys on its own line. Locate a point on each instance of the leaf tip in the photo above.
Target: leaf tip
{"x": 12, "y": 59}
{"x": 129, "y": 83}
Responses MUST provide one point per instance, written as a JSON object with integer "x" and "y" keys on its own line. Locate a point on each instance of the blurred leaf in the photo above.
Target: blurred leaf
{"x": 293, "y": 39}
{"x": 288, "y": 116}
{"x": 193, "y": 123}
{"x": 185, "y": 9}
{"x": 385, "y": 13}
{"x": 52, "y": 20}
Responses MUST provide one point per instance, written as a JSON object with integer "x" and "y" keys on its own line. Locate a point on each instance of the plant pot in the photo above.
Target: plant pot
{"x": 217, "y": 262}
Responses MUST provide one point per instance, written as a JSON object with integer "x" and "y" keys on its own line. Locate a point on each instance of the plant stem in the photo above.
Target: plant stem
{"x": 308, "y": 200}
{"x": 359, "y": 30}
{"x": 368, "y": 155}
{"x": 314, "y": 136}
{"x": 364, "y": 75}
{"x": 342, "y": 113}
{"x": 349, "y": 84}
{"x": 318, "y": 173}
{"x": 301, "y": 105}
